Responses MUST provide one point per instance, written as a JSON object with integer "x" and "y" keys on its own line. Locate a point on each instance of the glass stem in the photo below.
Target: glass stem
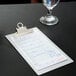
{"x": 49, "y": 13}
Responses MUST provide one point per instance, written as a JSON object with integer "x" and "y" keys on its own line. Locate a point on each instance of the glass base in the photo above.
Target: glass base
{"x": 49, "y": 20}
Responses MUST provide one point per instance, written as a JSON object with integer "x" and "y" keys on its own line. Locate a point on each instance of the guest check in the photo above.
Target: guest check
{"x": 41, "y": 53}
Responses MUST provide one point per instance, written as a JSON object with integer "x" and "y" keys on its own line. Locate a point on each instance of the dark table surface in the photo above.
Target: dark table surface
{"x": 63, "y": 34}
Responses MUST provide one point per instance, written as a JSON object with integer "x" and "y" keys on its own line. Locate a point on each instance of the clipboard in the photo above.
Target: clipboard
{"x": 41, "y": 53}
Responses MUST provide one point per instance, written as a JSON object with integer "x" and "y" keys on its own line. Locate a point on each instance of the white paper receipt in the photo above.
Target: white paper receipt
{"x": 39, "y": 51}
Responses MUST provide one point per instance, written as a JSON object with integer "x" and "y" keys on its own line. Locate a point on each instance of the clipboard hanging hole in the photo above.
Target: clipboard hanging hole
{"x": 19, "y": 25}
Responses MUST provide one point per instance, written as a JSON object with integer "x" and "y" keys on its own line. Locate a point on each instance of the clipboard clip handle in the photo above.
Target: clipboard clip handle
{"x": 21, "y": 29}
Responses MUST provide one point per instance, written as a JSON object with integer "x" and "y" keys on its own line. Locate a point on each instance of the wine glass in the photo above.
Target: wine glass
{"x": 49, "y": 19}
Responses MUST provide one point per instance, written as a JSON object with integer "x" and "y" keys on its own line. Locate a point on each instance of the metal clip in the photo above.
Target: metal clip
{"x": 22, "y": 29}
